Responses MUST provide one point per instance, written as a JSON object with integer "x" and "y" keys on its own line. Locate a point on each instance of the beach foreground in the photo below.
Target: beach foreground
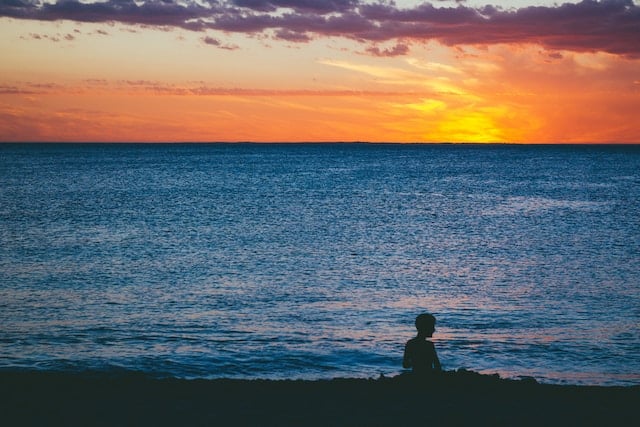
{"x": 455, "y": 398}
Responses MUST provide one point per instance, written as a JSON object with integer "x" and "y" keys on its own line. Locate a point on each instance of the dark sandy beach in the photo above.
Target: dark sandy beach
{"x": 456, "y": 398}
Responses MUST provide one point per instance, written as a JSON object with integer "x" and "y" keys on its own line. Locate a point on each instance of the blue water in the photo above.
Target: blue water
{"x": 311, "y": 261}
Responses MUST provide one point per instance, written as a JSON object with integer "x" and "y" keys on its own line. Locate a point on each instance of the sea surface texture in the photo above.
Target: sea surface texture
{"x": 312, "y": 261}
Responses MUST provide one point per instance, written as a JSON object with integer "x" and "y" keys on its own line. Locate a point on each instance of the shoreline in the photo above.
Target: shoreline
{"x": 452, "y": 398}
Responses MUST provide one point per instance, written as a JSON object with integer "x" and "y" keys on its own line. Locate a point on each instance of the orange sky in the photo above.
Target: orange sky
{"x": 73, "y": 80}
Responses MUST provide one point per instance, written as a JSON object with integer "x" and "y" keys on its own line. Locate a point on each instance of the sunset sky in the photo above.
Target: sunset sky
{"x": 320, "y": 70}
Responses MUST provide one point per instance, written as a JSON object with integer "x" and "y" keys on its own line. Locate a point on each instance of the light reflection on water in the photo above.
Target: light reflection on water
{"x": 312, "y": 261}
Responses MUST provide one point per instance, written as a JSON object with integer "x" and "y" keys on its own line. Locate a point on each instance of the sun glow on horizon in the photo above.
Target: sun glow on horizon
{"x": 70, "y": 81}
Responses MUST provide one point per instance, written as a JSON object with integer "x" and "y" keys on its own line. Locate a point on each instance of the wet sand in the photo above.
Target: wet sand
{"x": 454, "y": 398}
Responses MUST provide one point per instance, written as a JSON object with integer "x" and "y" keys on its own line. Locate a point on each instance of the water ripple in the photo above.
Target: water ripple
{"x": 298, "y": 261}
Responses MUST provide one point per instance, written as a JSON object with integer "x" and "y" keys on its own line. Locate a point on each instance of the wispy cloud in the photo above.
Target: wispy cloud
{"x": 97, "y": 86}
{"x": 611, "y": 26}
{"x": 434, "y": 66}
{"x": 15, "y": 90}
{"x": 401, "y": 77}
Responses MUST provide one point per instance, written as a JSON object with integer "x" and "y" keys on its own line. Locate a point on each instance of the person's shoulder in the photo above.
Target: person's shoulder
{"x": 411, "y": 342}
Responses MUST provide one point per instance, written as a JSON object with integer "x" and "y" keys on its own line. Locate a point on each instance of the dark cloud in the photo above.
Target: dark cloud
{"x": 292, "y": 36}
{"x": 155, "y": 12}
{"x": 424, "y": 13}
{"x": 257, "y": 5}
{"x": 217, "y": 43}
{"x": 211, "y": 41}
{"x": 607, "y": 25}
{"x": 316, "y": 6}
{"x": 397, "y": 50}
{"x": 555, "y": 55}
{"x": 54, "y": 38}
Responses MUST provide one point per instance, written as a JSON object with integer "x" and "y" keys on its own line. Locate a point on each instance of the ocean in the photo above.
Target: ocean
{"x": 311, "y": 261}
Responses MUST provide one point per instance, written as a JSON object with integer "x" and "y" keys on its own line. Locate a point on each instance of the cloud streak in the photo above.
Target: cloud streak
{"x": 100, "y": 86}
{"x": 611, "y": 26}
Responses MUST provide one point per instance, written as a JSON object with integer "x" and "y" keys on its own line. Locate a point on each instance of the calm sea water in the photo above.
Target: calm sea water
{"x": 311, "y": 261}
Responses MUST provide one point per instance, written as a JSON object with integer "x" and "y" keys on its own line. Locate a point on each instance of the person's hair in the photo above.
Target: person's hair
{"x": 425, "y": 321}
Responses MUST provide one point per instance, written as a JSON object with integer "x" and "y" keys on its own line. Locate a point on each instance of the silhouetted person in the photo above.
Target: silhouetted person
{"x": 419, "y": 352}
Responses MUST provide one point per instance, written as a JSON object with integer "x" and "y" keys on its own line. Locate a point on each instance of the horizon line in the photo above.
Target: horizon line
{"x": 253, "y": 142}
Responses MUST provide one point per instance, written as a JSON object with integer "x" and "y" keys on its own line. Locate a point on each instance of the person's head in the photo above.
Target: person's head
{"x": 425, "y": 324}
